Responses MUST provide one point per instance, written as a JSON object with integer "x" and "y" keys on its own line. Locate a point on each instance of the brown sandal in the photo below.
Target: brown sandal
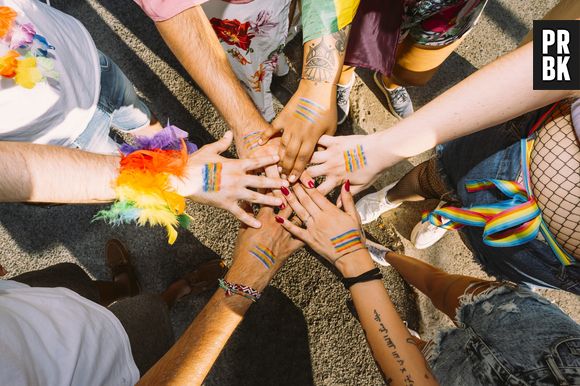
{"x": 119, "y": 262}
{"x": 205, "y": 276}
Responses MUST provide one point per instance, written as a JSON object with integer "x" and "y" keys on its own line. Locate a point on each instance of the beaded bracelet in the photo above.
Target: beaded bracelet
{"x": 239, "y": 289}
{"x": 143, "y": 188}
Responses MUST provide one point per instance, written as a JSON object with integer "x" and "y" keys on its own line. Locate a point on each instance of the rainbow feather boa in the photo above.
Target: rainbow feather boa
{"x": 144, "y": 192}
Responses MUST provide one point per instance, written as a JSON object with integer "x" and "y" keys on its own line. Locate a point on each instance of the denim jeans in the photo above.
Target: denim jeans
{"x": 495, "y": 153}
{"x": 118, "y": 106}
{"x": 507, "y": 336}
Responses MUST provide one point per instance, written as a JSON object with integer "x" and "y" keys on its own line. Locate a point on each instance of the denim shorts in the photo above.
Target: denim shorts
{"x": 507, "y": 336}
{"x": 495, "y": 153}
{"x": 118, "y": 107}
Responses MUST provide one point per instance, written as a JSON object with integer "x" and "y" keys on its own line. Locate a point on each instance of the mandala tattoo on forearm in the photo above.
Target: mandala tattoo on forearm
{"x": 322, "y": 58}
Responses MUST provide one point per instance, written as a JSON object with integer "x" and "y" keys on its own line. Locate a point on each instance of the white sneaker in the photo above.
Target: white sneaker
{"x": 371, "y": 206}
{"x": 425, "y": 234}
{"x": 378, "y": 252}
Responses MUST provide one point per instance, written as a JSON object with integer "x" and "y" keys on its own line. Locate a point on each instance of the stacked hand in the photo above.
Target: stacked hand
{"x": 270, "y": 237}
{"x": 330, "y": 231}
{"x": 222, "y": 182}
{"x": 349, "y": 158}
{"x": 310, "y": 113}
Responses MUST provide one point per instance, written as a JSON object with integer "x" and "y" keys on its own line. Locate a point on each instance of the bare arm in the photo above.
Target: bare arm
{"x": 192, "y": 357}
{"x": 41, "y": 173}
{"x": 497, "y": 93}
{"x": 192, "y": 39}
{"x": 395, "y": 351}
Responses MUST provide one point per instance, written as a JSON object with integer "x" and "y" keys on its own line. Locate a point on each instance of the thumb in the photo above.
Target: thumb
{"x": 220, "y": 145}
{"x": 268, "y": 133}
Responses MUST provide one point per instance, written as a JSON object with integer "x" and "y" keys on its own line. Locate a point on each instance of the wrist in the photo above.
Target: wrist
{"x": 355, "y": 263}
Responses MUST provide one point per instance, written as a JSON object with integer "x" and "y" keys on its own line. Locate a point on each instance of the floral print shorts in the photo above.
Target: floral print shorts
{"x": 253, "y": 34}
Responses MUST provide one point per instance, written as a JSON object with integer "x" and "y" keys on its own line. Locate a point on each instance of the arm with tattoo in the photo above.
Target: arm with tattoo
{"x": 311, "y": 112}
{"x": 394, "y": 350}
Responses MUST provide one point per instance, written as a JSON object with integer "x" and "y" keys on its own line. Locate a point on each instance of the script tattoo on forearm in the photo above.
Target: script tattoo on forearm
{"x": 407, "y": 378}
{"x": 322, "y": 57}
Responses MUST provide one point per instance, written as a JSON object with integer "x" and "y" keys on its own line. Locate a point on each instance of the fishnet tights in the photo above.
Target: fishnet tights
{"x": 555, "y": 178}
{"x": 422, "y": 182}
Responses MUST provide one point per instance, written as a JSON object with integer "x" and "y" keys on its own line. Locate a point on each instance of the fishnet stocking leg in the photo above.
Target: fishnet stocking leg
{"x": 421, "y": 183}
{"x": 555, "y": 178}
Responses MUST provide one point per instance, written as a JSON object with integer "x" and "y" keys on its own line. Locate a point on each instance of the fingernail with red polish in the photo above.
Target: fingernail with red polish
{"x": 282, "y": 206}
{"x": 285, "y": 191}
{"x": 279, "y": 220}
{"x": 347, "y": 185}
{"x": 311, "y": 184}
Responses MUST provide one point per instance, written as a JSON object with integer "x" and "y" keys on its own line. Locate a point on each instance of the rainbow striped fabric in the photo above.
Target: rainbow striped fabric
{"x": 307, "y": 110}
{"x": 325, "y": 17}
{"x": 212, "y": 176}
{"x": 250, "y": 141}
{"x": 507, "y": 223}
{"x": 264, "y": 254}
{"x": 346, "y": 240}
{"x": 355, "y": 159}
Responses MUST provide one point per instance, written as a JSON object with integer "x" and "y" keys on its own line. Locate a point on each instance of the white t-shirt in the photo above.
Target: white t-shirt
{"x": 53, "y": 112}
{"x": 53, "y": 336}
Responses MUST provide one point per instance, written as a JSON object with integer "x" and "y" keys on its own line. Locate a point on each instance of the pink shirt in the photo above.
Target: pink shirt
{"x": 159, "y": 10}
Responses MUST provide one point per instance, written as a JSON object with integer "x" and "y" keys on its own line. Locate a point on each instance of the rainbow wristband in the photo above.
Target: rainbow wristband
{"x": 143, "y": 188}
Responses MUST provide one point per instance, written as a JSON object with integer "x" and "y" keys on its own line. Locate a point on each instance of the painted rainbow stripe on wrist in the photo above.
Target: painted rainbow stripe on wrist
{"x": 355, "y": 159}
{"x": 346, "y": 240}
{"x": 144, "y": 192}
{"x": 250, "y": 141}
{"x": 264, "y": 254}
{"x": 307, "y": 110}
{"x": 212, "y": 177}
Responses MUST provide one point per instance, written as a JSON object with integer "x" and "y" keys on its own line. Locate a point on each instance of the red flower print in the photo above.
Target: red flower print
{"x": 233, "y": 32}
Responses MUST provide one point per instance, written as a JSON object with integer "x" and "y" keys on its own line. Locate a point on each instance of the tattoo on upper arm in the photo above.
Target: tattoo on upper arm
{"x": 212, "y": 177}
{"x": 264, "y": 254}
{"x": 322, "y": 58}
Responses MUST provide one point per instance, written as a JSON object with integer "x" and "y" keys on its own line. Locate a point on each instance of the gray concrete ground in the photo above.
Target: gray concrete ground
{"x": 301, "y": 333}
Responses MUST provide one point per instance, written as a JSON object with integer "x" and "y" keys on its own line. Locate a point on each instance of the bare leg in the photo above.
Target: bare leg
{"x": 443, "y": 289}
{"x": 346, "y": 75}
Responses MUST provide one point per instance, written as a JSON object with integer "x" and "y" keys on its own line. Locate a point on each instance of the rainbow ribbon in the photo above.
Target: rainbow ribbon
{"x": 144, "y": 191}
{"x": 507, "y": 223}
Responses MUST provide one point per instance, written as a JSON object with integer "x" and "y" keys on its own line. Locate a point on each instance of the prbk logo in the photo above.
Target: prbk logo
{"x": 556, "y": 54}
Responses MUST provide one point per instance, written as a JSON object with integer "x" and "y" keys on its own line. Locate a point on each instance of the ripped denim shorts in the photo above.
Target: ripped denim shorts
{"x": 507, "y": 336}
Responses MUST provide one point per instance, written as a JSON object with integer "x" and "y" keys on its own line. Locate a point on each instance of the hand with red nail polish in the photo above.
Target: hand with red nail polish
{"x": 358, "y": 158}
{"x": 330, "y": 231}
